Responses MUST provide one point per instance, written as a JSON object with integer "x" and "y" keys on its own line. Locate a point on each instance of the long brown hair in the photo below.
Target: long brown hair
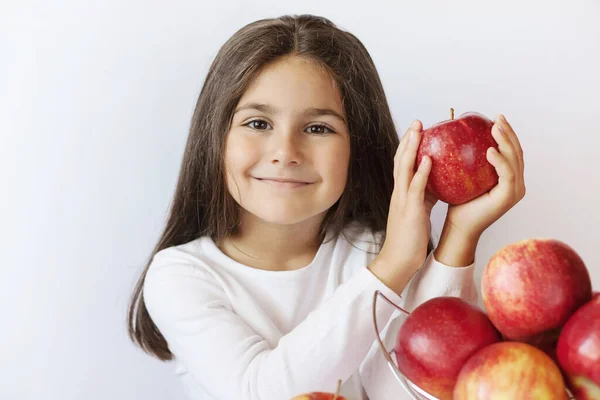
{"x": 202, "y": 206}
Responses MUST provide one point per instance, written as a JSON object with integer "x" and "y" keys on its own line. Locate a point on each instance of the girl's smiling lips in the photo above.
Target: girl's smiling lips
{"x": 284, "y": 182}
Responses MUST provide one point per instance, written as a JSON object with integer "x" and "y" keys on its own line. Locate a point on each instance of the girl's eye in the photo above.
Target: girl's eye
{"x": 261, "y": 125}
{"x": 319, "y": 129}
{"x": 258, "y": 124}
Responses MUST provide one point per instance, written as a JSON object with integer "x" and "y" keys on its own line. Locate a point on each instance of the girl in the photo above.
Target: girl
{"x": 295, "y": 202}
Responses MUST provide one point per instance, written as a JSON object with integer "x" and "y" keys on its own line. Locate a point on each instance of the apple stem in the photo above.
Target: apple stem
{"x": 337, "y": 392}
{"x": 452, "y": 113}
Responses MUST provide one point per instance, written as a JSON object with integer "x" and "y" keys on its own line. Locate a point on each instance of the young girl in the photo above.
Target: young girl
{"x": 295, "y": 202}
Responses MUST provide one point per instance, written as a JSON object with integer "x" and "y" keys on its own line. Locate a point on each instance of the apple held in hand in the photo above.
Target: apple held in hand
{"x": 532, "y": 287}
{"x": 578, "y": 350}
{"x": 437, "y": 338}
{"x": 509, "y": 370}
{"x": 460, "y": 171}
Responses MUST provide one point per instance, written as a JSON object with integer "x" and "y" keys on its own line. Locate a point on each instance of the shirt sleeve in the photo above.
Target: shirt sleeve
{"x": 230, "y": 361}
{"x": 434, "y": 279}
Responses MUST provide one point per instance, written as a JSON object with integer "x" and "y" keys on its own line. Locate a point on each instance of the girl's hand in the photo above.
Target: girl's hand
{"x": 408, "y": 224}
{"x": 471, "y": 219}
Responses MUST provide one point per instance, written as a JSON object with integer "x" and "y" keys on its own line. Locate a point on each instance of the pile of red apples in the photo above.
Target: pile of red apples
{"x": 538, "y": 334}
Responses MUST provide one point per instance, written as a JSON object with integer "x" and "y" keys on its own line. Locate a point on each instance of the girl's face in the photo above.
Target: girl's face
{"x": 288, "y": 148}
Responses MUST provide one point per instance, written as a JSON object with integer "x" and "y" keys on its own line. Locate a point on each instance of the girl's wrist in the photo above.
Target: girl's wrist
{"x": 393, "y": 276}
{"x": 456, "y": 248}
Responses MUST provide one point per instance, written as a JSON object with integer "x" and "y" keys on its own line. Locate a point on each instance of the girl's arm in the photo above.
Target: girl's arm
{"x": 231, "y": 361}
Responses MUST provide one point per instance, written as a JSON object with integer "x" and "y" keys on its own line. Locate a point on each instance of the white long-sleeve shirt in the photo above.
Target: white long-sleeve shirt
{"x": 241, "y": 333}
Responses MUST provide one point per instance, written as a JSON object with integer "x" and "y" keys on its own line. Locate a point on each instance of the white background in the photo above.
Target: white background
{"x": 96, "y": 98}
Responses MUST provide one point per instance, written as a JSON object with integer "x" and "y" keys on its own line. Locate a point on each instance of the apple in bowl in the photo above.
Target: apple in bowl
{"x": 509, "y": 370}
{"x": 321, "y": 395}
{"x": 578, "y": 350}
{"x": 437, "y": 338}
{"x": 530, "y": 289}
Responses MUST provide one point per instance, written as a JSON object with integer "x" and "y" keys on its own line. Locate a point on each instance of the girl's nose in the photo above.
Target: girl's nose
{"x": 286, "y": 148}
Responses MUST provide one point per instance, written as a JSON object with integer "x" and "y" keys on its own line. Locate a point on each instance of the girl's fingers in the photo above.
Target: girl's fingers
{"x": 506, "y": 175}
{"x": 400, "y": 150}
{"x": 512, "y": 137}
{"x": 406, "y": 167}
{"x": 419, "y": 181}
{"x": 519, "y": 186}
{"x": 505, "y": 146}
{"x": 396, "y": 156}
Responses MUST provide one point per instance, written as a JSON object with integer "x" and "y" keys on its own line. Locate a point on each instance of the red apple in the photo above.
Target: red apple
{"x": 578, "y": 350}
{"x": 437, "y": 338}
{"x": 532, "y": 287}
{"x": 509, "y": 370}
{"x": 318, "y": 396}
{"x": 322, "y": 395}
{"x": 457, "y": 147}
